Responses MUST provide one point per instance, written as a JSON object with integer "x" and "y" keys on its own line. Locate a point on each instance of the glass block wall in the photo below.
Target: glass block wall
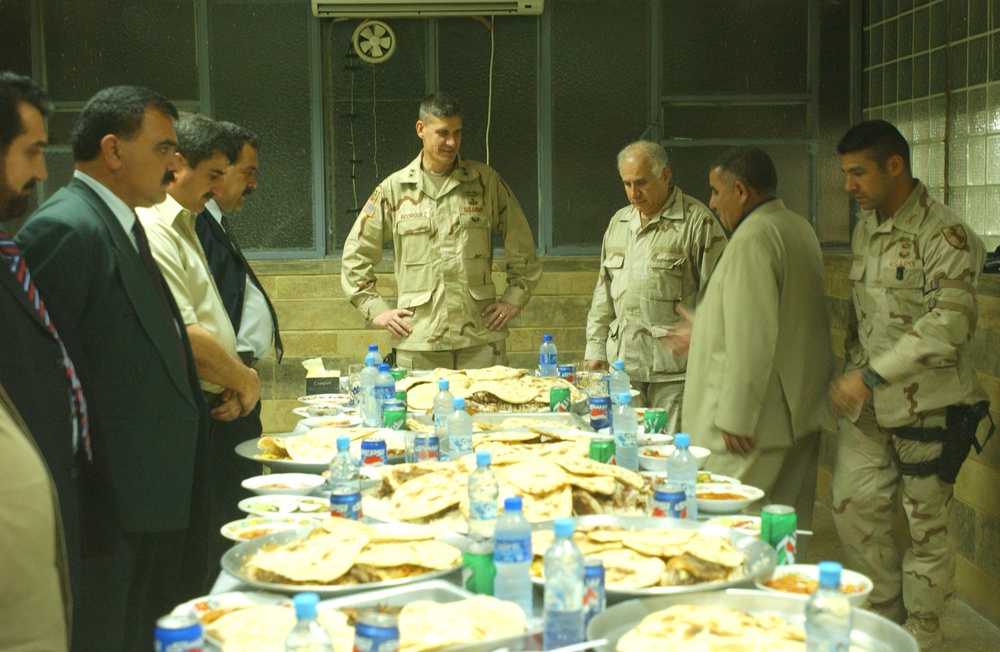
{"x": 932, "y": 68}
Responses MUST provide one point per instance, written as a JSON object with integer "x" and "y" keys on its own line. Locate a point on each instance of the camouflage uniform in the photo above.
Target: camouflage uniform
{"x": 914, "y": 278}
{"x": 645, "y": 272}
{"x": 443, "y": 246}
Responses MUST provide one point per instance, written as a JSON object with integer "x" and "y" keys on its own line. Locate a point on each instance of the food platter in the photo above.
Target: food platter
{"x": 246, "y": 529}
{"x": 871, "y": 633}
{"x": 251, "y": 449}
{"x": 284, "y": 505}
{"x": 233, "y": 562}
{"x": 759, "y": 558}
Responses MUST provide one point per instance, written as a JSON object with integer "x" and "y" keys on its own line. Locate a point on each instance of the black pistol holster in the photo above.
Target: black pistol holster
{"x": 958, "y": 437}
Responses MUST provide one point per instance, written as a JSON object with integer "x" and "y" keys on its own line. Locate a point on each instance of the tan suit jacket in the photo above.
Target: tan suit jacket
{"x": 760, "y": 360}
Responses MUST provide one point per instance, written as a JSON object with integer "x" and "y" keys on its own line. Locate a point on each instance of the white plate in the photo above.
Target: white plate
{"x": 734, "y": 506}
{"x": 284, "y": 505}
{"x": 659, "y": 462}
{"x": 338, "y": 421}
{"x": 326, "y": 399}
{"x": 299, "y": 484}
{"x": 210, "y": 608}
{"x": 811, "y": 571}
{"x": 246, "y": 529}
{"x": 748, "y": 524}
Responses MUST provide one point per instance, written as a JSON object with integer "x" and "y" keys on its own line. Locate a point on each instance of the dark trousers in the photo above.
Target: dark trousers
{"x": 123, "y": 593}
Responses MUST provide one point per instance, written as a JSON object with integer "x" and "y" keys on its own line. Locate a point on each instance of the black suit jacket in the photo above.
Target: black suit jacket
{"x": 142, "y": 390}
{"x": 230, "y": 274}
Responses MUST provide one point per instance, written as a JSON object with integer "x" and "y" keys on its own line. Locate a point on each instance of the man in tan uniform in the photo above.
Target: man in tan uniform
{"x": 906, "y": 399}
{"x": 760, "y": 361}
{"x": 441, "y": 213}
{"x": 657, "y": 254}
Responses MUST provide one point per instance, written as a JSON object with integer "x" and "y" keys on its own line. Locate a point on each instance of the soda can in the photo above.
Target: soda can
{"x": 427, "y": 448}
{"x": 559, "y": 399}
{"x": 398, "y": 373}
{"x": 346, "y": 503}
{"x": 376, "y": 632}
{"x": 600, "y": 412}
{"x": 478, "y": 569}
{"x": 567, "y": 372}
{"x": 602, "y": 449}
{"x": 670, "y": 501}
{"x": 374, "y": 452}
{"x": 777, "y": 528}
{"x": 654, "y": 421}
{"x": 394, "y": 415}
{"x": 594, "y": 598}
{"x": 401, "y": 396}
{"x": 180, "y": 633}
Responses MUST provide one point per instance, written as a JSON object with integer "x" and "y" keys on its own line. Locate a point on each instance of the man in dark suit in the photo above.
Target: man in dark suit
{"x": 90, "y": 258}
{"x": 254, "y": 321}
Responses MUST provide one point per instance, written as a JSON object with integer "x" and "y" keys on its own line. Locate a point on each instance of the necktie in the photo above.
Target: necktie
{"x": 78, "y": 403}
{"x": 278, "y": 348}
{"x": 146, "y": 256}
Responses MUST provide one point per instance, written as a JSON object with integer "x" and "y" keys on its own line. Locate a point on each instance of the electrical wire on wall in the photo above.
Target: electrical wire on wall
{"x": 353, "y": 66}
{"x": 489, "y": 98}
{"x": 375, "y": 127}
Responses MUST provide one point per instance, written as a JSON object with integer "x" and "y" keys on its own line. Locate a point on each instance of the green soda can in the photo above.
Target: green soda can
{"x": 777, "y": 528}
{"x": 478, "y": 569}
{"x": 654, "y": 420}
{"x": 398, "y": 373}
{"x": 559, "y": 399}
{"x": 394, "y": 415}
{"x": 401, "y": 396}
{"x": 602, "y": 449}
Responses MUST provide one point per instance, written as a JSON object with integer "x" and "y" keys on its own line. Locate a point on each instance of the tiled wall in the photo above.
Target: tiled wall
{"x": 932, "y": 68}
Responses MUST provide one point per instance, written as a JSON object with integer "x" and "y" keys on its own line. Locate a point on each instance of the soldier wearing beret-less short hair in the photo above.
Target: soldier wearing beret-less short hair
{"x": 909, "y": 401}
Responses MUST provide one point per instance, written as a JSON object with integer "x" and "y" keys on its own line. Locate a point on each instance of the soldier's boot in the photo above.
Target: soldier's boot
{"x": 927, "y": 631}
{"x": 892, "y": 610}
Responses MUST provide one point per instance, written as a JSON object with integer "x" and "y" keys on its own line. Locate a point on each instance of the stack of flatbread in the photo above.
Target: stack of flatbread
{"x": 690, "y": 628}
{"x": 555, "y": 479}
{"x": 319, "y": 445}
{"x": 638, "y": 559}
{"x": 343, "y": 552}
{"x": 493, "y": 389}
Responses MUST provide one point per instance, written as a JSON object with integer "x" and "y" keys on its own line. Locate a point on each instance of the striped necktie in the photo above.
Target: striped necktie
{"x": 15, "y": 260}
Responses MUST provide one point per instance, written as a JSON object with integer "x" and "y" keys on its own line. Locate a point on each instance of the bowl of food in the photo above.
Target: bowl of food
{"x": 246, "y": 529}
{"x": 654, "y": 458}
{"x": 301, "y": 484}
{"x": 803, "y": 579}
{"x": 726, "y": 497}
{"x": 739, "y": 522}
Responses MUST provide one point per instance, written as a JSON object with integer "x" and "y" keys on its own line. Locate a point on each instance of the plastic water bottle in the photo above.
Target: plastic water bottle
{"x": 308, "y": 635}
{"x": 624, "y": 427}
{"x": 459, "y": 430}
{"x": 682, "y": 469}
{"x": 345, "y": 481}
{"x": 484, "y": 489}
{"x": 548, "y": 358}
{"x": 444, "y": 405}
{"x": 370, "y": 414}
{"x": 620, "y": 382}
{"x": 829, "y": 616}
{"x": 563, "y": 566}
{"x": 512, "y": 557}
{"x": 373, "y": 351}
{"x": 385, "y": 389}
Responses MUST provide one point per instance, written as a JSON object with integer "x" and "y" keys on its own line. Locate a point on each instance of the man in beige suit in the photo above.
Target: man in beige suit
{"x": 760, "y": 360}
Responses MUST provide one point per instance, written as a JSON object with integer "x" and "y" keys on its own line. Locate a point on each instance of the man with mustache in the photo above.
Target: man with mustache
{"x": 89, "y": 258}
{"x": 252, "y": 316}
{"x": 441, "y": 213}
{"x": 40, "y": 420}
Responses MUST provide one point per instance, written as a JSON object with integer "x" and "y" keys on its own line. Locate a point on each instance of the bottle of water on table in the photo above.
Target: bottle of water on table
{"x": 484, "y": 489}
{"x": 548, "y": 358}
{"x": 624, "y": 428}
{"x": 370, "y": 414}
{"x": 373, "y": 351}
{"x": 385, "y": 389}
{"x": 563, "y": 566}
{"x": 682, "y": 469}
{"x": 512, "y": 557}
{"x": 459, "y": 430}
{"x": 620, "y": 382}
{"x": 829, "y": 616}
{"x": 308, "y": 635}
{"x": 345, "y": 482}
{"x": 444, "y": 405}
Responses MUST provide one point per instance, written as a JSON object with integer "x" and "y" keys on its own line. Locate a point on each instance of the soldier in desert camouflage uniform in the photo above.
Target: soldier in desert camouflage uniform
{"x": 657, "y": 254}
{"x": 908, "y": 382}
{"x": 441, "y": 212}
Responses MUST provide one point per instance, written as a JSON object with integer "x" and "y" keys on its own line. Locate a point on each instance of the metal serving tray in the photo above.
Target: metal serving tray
{"x": 871, "y": 632}
{"x": 760, "y": 558}
{"x": 250, "y": 449}
{"x": 234, "y": 559}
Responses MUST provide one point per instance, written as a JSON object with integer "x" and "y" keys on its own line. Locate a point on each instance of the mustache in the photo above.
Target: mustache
{"x": 30, "y": 185}
{"x": 168, "y": 177}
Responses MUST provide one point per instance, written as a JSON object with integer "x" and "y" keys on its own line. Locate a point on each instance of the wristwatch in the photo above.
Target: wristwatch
{"x": 871, "y": 377}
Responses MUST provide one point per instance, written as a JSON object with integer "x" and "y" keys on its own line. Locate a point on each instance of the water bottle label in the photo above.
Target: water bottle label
{"x": 512, "y": 551}
{"x": 483, "y": 510}
{"x": 386, "y": 392}
{"x": 441, "y": 422}
{"x": 547, "y": 359}
{"x": 460, "y": 444}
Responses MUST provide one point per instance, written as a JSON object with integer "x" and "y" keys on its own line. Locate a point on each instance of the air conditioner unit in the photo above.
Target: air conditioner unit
{"x": 423, "y": 8}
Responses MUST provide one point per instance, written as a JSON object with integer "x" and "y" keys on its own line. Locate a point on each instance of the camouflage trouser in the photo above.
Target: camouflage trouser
{"x": 474, "y": 357}
{"x": 865, "y": 479}
{"x": 668, "y": 396}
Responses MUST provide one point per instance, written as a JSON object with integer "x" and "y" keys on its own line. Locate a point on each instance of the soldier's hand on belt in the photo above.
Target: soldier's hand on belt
{"x": 738, "y": 445}
{"x": 502, "y": 311}
{"x": 678, "y": 339}
{"x": 228, "y": 407}
{"x": 392, "y": 321}
{"x": 848, "y": 393}
{"x": 596, "y": 365}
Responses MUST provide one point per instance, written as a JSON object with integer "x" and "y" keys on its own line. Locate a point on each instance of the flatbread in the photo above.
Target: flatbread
{"x": 587, "y": 466}
{"x": 716, "y": 550}
{"x": 427, "y": 495}
{"x": 508, "y": 391}
{"x": 320, "y": 558}
{"x": 627, "y": 569}
{"x": 431, "y": 553}
{"x": 426, "y": 625}
{"x": 261, "y": 624}
{"x": 595, "y": 484}
{"x": 545, "y": 507}
{"x": 695, "y": 628}
{"x": 496, "y": 372}
{"x": 659, "y": 543}
{"x": 536, "y": 476}
{"x": 421, "y": 397}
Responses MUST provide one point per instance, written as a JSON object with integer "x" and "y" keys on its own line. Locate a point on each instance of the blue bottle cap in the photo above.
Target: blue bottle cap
{"x": 682, "y": 440}
{"x": 373, "y": 348}
{"x": 343, "y": 443}
{"x": 443, "y": 384}
{"x": 305, "y": 605}
{"x": 563, "y": 527}
{"x": 483, "y": 458}
{"x": 618, "y": 365}
{"x": 512, "y": 504}
{"x": 625, "y": 397}
{"x": 546, "y": 338}
{"x": 459, "y": 403}
{"x": 383, "y": 367}
{"x": 829, "y": 574}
